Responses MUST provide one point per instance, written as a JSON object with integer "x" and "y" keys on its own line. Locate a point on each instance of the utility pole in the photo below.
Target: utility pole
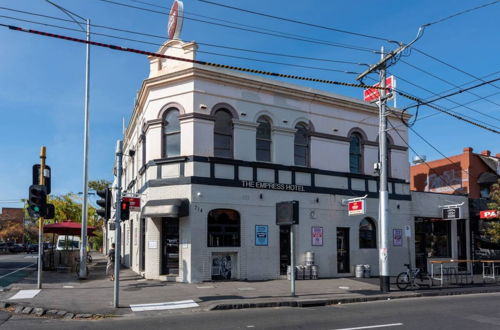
{"x": 384, "y": 224}
{"x": 292, "y": 263}
{"x": 43, "y": 155}
{"x": 118, "y": 231}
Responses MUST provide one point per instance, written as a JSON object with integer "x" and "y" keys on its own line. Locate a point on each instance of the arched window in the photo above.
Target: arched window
{"x": 223, "y": 228}
{"x": 223, "y": 134}
{"x": 171, "y": 133}
{"x": 301, "y": 145}
{"x": 367, "y": 234}
{"x": 355, "y": 153}
{"x": 264, "y": 140}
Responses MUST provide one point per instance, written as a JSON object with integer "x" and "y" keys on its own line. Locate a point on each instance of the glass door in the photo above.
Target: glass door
{"x": 170, "y": 246}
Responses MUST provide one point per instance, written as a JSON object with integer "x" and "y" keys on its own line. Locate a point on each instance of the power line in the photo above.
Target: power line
{"x": 297, "y": 21}
{"x": 200, "y": 43}
{"x": 253, "y": 29}
{"x": 205, "y": 52}
{"x": 462, "y": 12}
{"x": 458, "y": 105}
{"x": 451, "y": 66}
{"x": 416, "y": 153}
{"x": 446, "y": 81}
{"x": 230, "y": 67}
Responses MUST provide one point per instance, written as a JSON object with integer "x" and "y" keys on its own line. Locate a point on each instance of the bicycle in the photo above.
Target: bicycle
{"x": 408, "y": 278}
{"x": 77, "y": 263}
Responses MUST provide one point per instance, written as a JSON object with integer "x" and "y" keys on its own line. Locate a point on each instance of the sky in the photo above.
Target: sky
{"x": 42, "y": 81}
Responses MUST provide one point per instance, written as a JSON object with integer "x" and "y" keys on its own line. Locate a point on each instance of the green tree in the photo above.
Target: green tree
{"x": 99, "y": 184}
{"x": 493, "y": 229}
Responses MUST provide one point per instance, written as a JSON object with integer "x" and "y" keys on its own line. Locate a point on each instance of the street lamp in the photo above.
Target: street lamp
{"x": 83, "y": 252}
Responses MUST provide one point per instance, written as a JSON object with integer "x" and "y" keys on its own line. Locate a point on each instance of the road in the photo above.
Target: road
{"x": 14, "y": 267}
{"x": 478, "y": 311}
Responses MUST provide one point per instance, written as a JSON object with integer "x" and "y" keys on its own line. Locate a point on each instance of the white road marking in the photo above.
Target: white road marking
{"x": 164, "y": 305}
{"x": 373, "y": 326}
{"x": 16, "y": 271}
{"x": 205, "y": 287}
{"x": 344, "y": 287}
{"x": 31, "y": 257}
{"x": 68, "y": 286}
{"x": 25, "y": 294}
{"x": 246, "y": 289}
{"x": 250, "y": 326}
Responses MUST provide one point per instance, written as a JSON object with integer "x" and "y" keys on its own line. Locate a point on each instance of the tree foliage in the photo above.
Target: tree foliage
{"x": 493, "y": 229}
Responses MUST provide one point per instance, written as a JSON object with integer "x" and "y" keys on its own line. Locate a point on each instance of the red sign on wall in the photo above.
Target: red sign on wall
{"x": 356, "y": 207}
{"x": 488, "y": 214}
{"x": 135, "y": 203}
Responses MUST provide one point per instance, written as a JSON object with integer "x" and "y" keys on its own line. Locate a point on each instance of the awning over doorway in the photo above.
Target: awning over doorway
{"x": 172, "y": 208}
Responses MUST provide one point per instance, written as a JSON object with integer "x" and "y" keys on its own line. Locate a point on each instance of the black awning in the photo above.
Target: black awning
{"x": 487, "y": 177}
{"x": 172, "y": 208}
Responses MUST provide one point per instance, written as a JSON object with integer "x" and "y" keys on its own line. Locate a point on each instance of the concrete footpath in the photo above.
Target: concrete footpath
{"x": 63, "y": 295}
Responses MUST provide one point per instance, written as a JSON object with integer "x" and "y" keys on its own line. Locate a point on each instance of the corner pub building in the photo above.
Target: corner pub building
{"x": 211, "y": 151}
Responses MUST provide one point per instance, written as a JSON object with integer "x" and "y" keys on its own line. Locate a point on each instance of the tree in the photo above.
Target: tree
{"x": 99, "y": 184}
{"x": 493, "y": 228}
{"x": 11, "y": 231}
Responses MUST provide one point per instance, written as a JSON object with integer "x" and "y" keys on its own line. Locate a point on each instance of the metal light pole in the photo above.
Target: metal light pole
{"x": 40, "y": 220}
{"x": 292, "y": 263}
{"x": 83, "y": 247}
{"x": 118, "y": 232}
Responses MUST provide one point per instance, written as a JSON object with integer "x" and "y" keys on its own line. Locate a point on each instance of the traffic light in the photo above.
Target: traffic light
{"x": 50, "y": 212}
{"x": 125, "y": 210}
{"x": 105, "y": 203}
{"x": 37, "y": 202}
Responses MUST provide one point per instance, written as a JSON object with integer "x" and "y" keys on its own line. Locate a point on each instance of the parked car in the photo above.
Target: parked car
{"x": 3, "y": 247}
{"x": 32, "y": 248}
{"x": 16, "y": 248}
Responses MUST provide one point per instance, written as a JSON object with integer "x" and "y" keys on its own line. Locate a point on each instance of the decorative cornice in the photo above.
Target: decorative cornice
{"x": 245, "y": 124}
{"x": 280, "y": 129}
{"x": 196, "y": 115}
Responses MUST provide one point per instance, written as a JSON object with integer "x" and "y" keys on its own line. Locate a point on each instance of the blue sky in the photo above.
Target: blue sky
{"x": 42, "y": 79}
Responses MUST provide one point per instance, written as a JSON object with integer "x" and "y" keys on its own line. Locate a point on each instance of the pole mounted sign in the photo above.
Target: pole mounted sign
{"x": 356, "y": 205}
{"x": 135, "y": 203}
{"x": 176, "y": 16}
{"x": 373, "y": 94}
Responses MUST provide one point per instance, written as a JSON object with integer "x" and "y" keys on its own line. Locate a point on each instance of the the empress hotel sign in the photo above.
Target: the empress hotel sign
{"x": 272, "y": 186}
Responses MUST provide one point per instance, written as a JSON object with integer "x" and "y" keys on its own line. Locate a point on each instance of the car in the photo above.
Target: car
{"x": 32, "y": 248}
{"x": 15, "y": 248}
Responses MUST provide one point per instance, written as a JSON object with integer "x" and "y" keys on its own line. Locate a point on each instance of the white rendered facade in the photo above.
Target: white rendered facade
{"x": 250, "y": 187}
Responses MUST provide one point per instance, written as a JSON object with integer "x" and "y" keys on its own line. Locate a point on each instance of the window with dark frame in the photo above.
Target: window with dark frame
{"x": 301, "y": 145}
{"x": 367, "y": 234}
{"x": 223, "y": 228}
{"x": 171, "y": 133}
{"x": 223, "y": 134}
{"x": 355, "y": 153}
{"x": 263, "y": 140}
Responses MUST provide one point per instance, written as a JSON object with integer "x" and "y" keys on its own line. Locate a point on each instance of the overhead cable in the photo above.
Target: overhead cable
{"x": 241, "y": 69}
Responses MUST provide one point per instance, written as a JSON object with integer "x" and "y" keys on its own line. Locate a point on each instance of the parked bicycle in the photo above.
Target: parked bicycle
{"x": 413, "y": 278}
{"x": 77, "y": 263}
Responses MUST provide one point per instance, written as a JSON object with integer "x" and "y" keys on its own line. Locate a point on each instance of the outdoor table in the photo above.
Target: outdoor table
{"x": 491, "y": 265}
{"x": 448, "y": 271}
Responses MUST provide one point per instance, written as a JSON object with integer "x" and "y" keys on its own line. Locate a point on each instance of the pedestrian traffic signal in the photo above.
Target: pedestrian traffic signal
{"x": 125, "y": 210}
{"x": 37, "y": 202}
{"x": 105, "y": 203}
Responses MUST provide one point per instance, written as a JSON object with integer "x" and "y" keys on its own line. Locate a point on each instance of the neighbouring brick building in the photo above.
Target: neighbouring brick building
{"x": 470, "y": 174}
{"x": 11, "y": 217}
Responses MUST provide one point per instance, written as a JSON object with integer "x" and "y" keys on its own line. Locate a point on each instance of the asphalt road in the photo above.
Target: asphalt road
{"x": 478, "y": 311}
{"x": 14, "y": 267}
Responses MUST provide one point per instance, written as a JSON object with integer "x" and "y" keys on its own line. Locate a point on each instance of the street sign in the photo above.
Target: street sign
{"x": 135, "y": 203}
{"x": 451, "y": 213}
{"x": 175, "y": 19}
{"x": 356, "y": 207}
{"x": 373, "y": 94}
{"x": 407, "y": 231}
{"x": 488, "y": 214}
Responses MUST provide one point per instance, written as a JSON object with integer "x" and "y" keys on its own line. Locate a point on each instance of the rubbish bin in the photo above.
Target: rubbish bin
{"x": 368, "y": 271}
{"x": 359, "y": 271}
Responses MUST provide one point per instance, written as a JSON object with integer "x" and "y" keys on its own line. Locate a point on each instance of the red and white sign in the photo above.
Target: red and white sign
{"x": 175, "y": 20}
{"x": 488, "y": 214}
{"x": 356, "y": 207}
{"x": 373, "y": 94}
{"x": 134, "y": 202}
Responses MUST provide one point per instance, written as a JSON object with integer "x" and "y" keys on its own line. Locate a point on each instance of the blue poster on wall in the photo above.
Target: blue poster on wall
{"x": 261, "y": 235}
